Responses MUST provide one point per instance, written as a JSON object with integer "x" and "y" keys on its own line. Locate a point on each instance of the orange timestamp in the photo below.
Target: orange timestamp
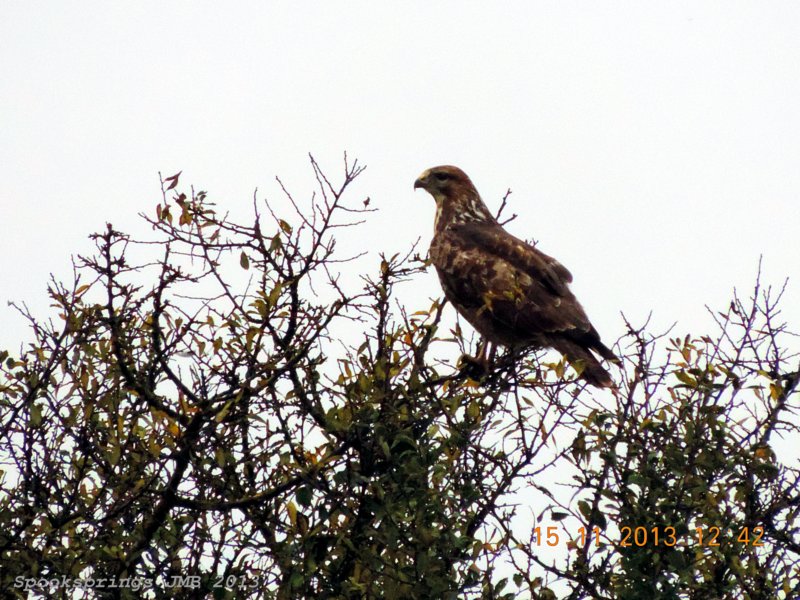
{"x": 630, "y": 537}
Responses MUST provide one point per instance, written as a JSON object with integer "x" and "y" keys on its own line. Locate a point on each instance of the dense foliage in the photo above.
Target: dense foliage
{"x": 182, "y": 431}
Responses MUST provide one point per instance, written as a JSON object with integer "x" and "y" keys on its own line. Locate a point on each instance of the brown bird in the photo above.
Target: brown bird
{"x": 510, "y": 292}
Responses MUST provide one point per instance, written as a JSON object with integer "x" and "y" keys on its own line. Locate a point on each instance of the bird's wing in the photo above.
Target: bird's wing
{"x": 523, "y": 289}
{"x": 525, "y": 257}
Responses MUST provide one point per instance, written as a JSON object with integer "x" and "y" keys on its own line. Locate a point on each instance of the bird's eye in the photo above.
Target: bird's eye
{"x": 442, "y": 176}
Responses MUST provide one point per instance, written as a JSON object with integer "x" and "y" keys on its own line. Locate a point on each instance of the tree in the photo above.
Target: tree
{"x": 181, "y": 431}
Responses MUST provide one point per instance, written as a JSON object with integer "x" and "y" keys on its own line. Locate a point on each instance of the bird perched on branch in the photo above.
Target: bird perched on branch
{"x": 512, "y": 294}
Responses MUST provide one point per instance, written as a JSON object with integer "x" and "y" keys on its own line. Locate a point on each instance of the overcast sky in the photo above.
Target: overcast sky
{"x": 654, "y": 148}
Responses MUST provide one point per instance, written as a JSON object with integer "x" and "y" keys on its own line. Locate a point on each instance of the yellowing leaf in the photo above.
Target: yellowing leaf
{"x": 684, "y": 377}
{"x": 763, "y": 453}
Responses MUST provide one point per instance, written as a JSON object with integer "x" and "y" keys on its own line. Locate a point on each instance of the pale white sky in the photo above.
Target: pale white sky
{"x": 653, "y": 148}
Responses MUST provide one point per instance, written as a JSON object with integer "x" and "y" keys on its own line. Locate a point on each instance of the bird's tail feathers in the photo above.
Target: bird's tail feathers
{"x": 586, "y": 364}
{"x": 606, "y": 352}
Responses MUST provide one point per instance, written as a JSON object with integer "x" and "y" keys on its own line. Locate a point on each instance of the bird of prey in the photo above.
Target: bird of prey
{"x": 513, "y": 294}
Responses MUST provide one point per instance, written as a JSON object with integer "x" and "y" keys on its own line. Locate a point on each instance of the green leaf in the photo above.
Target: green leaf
{"x": 219, "y": 456}
{"x": 296, "y": 580}
{"x": 385, "y": 447}
{"x": 304, "y": 496}
{"x": 244, "y": 261}
{"x": 473, "y": 410}
{"x": 36, "y": 415}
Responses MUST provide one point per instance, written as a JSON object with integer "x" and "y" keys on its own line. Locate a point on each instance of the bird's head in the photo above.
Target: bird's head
{"x": 456, "y": 197}
{"x": 444, "y": 181}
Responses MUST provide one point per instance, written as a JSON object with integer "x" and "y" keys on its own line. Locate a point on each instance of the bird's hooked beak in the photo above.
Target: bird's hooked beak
{"x": 422, "y": 180}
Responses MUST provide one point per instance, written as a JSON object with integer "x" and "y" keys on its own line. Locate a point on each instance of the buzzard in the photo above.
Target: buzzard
{"x": 512, "y": 293}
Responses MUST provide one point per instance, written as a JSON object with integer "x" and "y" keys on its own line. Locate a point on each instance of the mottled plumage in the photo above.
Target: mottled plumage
{"x": 512, "y": 293}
